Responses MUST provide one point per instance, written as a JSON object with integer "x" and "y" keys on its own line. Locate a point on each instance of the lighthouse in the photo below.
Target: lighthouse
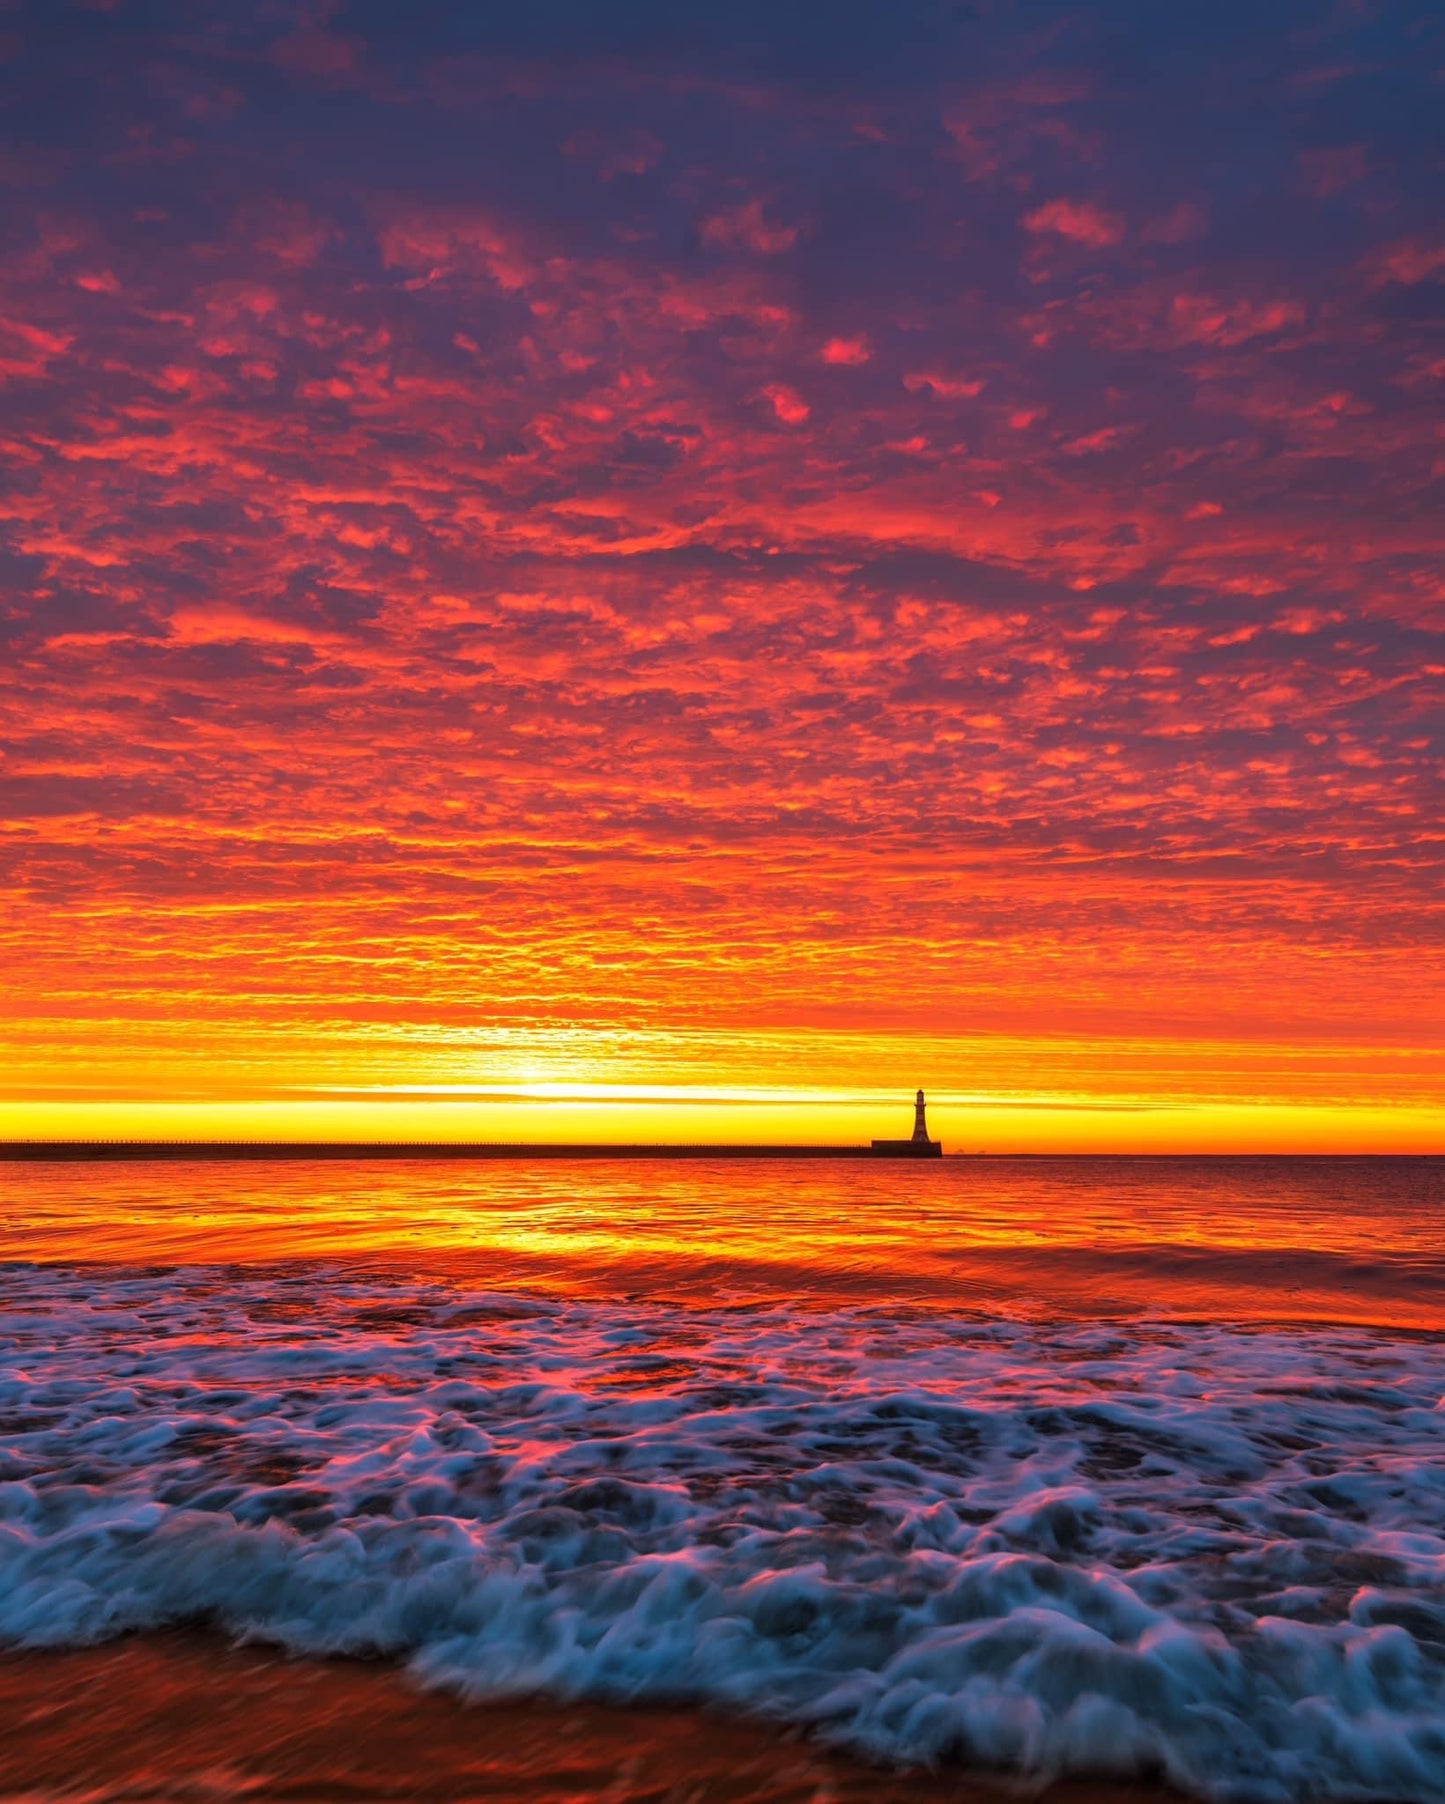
{"x": 918, "y": 1145}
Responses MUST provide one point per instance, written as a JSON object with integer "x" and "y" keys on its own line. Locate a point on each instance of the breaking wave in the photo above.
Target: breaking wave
{"x": 1212, "y": 1553}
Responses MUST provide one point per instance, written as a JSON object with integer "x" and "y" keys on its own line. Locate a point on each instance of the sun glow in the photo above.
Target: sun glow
{"x": 987, "y": 1092}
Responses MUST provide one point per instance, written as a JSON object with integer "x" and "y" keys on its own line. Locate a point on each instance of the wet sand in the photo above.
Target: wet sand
{"x": 189, "y": 1717}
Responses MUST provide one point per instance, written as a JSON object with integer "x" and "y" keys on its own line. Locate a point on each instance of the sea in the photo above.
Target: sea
{"x": 1029, "y": 1467}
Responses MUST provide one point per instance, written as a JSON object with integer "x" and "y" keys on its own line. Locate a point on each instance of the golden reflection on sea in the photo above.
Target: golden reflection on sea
{"x": 1339, "y": 1239}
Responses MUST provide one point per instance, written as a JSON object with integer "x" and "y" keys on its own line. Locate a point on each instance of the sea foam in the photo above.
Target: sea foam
{"x": 1209, "y": 1552}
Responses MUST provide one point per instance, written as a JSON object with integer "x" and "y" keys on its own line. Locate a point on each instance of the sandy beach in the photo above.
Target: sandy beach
{"x": 190, "y": 1717}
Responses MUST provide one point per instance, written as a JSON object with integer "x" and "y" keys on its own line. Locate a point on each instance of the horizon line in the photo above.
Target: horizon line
{"x": 18, "y": 1151}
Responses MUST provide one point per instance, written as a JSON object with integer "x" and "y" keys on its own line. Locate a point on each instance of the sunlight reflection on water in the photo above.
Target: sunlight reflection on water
{"x": 1339, "y": 1239}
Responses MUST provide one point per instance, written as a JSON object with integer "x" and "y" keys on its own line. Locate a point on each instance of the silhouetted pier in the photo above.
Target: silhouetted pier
{"x": 120, "y": 1151}
{"x": 100, "y": 1152}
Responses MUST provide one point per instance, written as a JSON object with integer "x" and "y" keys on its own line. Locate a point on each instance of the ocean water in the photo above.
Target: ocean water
{"x": 1119, "y": 1467}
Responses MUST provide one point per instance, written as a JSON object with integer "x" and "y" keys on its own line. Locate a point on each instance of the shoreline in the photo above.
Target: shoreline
{"x": 189, "y": 1714}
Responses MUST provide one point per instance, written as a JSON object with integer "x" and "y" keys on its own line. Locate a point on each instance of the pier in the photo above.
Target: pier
{"x": 919, "y": 1146}
{"x": 119, "y": 1151}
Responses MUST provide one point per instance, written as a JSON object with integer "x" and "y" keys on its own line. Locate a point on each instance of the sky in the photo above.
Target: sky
{"x": 723, "y": 552}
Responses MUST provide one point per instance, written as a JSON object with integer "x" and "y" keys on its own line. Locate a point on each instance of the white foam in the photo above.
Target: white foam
{"x": 1216, "y": 1553}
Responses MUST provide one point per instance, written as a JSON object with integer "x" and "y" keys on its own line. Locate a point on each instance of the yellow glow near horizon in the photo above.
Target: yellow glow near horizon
{"x": 991, "y": 1092}
{"x": 965, "y": 1125}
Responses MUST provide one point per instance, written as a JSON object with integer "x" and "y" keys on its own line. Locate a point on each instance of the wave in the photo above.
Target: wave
{"x": 1213, "y": 1553}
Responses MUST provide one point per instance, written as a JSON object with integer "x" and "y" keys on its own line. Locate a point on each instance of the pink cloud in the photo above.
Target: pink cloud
{"x": 1081, "y": 222}
{"x": 440, "y": 243}
{"x": 1179, "y": 225}
{"x": 745, "y": 227}
{"x": 1407, "y": 262}
{"x": 319, "y": 54}
{"x": 947, "y": 388}
{"x": 788, "y": 404}
{"x": 847, "y": 351}
{"x": 1203, "y": 319}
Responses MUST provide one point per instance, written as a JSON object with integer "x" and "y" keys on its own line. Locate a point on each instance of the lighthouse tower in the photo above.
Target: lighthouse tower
{"x": 918, "y": 1145}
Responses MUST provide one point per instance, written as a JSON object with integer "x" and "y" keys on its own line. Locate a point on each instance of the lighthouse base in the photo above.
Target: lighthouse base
{"x": 908, "y": 1149}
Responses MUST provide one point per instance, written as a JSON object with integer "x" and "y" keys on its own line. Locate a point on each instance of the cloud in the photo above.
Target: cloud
{"x": 1407, "y": 262}
{"x": 644, "y": 537}
{"x": 788, "y": 404}
{"x": 946, "y": 387}
{"x": 1184, "y": 221}
{"x": 326, "y": 56}
{"x": 745, "y": 227}
{"x": 1081, "y": 222}
{"x": 849, "y": 352}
